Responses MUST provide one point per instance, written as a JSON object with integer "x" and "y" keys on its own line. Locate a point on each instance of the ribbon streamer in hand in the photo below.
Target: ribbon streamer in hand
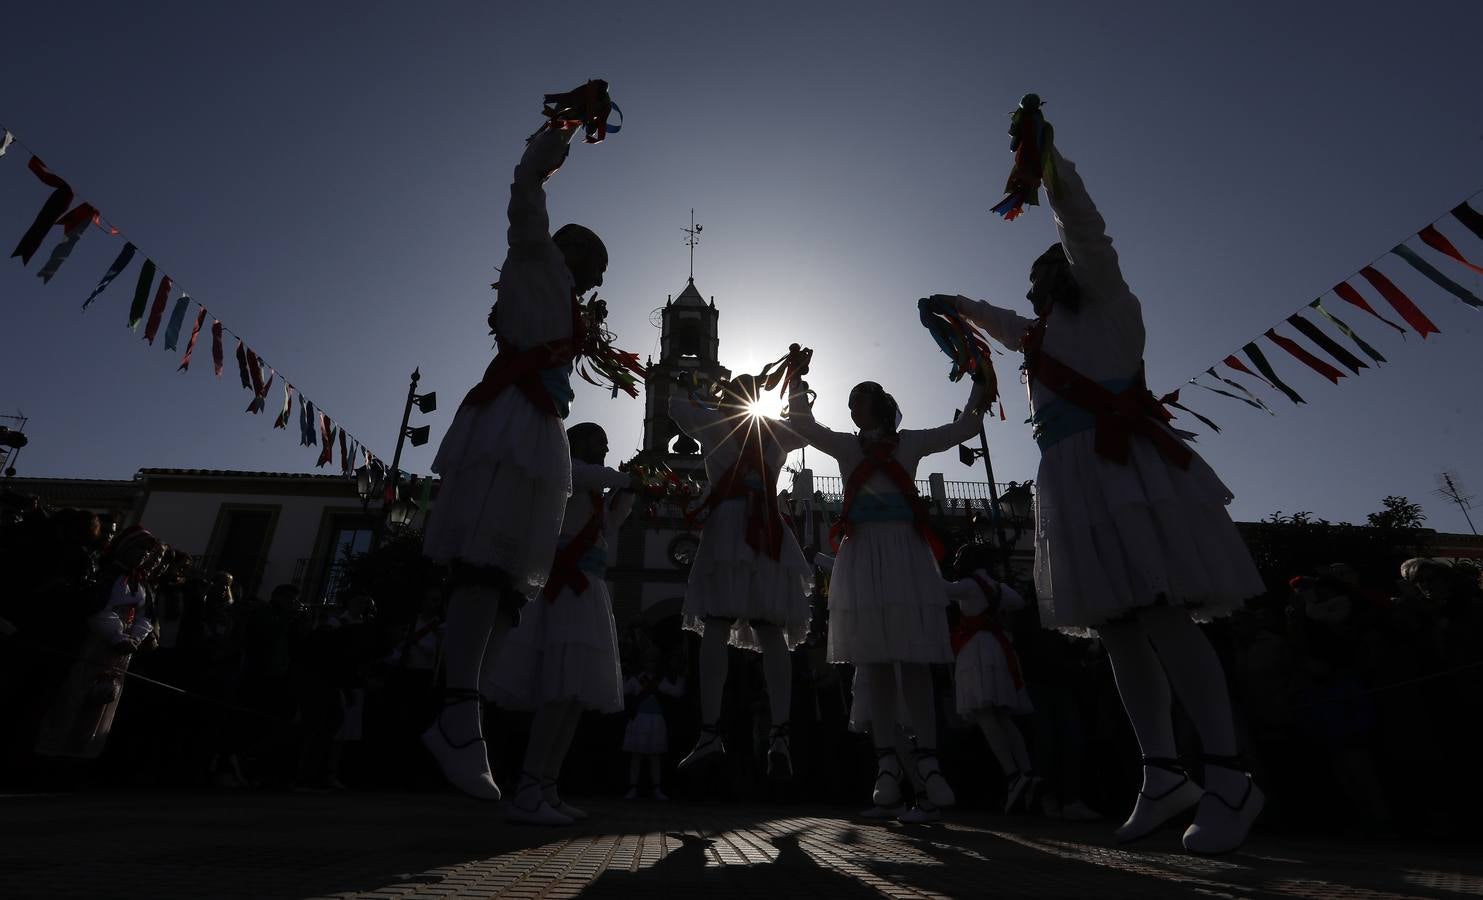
{"x": 787, "y": 370}
{"x": 963, "y": 343}
{"x": 598, "y": 362}
{"x": 588, "y": 106}
{"x": 1030, "y": 137}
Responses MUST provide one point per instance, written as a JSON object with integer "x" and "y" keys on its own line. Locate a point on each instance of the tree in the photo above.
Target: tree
{"x": 1398, "y": 513}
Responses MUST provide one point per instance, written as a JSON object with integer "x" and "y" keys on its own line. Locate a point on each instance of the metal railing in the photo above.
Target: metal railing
{"x": 960, "y": 494}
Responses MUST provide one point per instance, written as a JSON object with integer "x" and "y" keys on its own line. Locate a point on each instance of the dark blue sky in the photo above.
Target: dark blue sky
{"x": 330, "y": 179}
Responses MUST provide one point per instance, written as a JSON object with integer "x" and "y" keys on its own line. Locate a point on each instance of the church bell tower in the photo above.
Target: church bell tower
{"x": 688, "y": 342}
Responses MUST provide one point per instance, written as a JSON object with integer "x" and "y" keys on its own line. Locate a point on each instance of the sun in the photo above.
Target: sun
{"x": 766, "y": 405}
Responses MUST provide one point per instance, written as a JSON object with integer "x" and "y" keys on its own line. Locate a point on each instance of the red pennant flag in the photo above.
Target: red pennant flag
{"x": 1240, "y": 366}
{"x": 1306, "y": 358}
{"x": 54, "y": 208}
{"x": 190, "y": 347}
{"x": 253, "y": 370}
{"x": 216, "y": 349}
{"x": 1403, "y": 305}
{"x": 1350, "y": 295}
{"x": 157, "y": 311}
{"x": 327, "y": 432}
{"x": 1437, "y": 241}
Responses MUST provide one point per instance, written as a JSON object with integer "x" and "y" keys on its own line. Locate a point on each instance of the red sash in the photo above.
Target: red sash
{"x": 564, "y": 571}
{"x": 521, "y": 369}
{"x": 879, "y": 458}
{"x": 1118, "y": 416}
{"x": 968, "y": 626}
{"x": 764, "y": 520}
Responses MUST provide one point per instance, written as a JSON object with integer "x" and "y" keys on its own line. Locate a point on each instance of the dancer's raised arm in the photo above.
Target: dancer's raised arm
{"x": 934, "y": 440}
{"x": 1084, "y": 234}
{"x": 800, "y": 421}
{"x": 1003, "y": 325}
{"x": 530, "y": 226}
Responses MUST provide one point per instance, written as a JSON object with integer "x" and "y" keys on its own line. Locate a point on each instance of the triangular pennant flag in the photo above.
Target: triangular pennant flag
{"x": 327, "y": 440}
{"x": 55, "y": 206}
{"x": 288, "y": 405}
{"x": 5, "y": 142}
{"x": 344, "y": 453}
{"x": 1403, "y": 305}
{"x": 73, "y": 225}
{"x": 141, "y": 294}
{"x": 306, "y": 422}
{"x": 1250, "y": 397}
{"x": 125, "y": 256}
{"x": 1349, "y": 295}
{"x": 177, "y": 321}
{"x": 216, "y": 349}
{"x": 254, "y": 381}
{"x": 1371, "y": 352}
{"x": 1172, "y": 399}
{"x": 1253, "y": 403}
{"x": 1304, "y": 357}
{"x": 261, "y": 400}
{"x": 1326, "y": 343}
{"x": 1260, "y": 361}
{"x": 1442, "y": 281}
{"x": 1470, "y": 218}
{"x": 190, "y": 346}
{"x": 157, "y": 310}
{"x": 1438, "y": 242}
{"x": 241, "y": 355}
{"x": 1239, "y": 366}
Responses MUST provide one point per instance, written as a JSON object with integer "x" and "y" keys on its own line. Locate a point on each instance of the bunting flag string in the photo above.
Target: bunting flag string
{"x": 190, "y": 346}
{"x": 177, "y": 321}
{"x": 125, "y": 256}
{"x": 1402, "y": 304}
{"x": 1172, "y": 399}
{"x": 1438, "y": 242}
{"x": 59, "y": 211}
{"x": 157, "y": 310}
{"x": 1346, "y": 289}
{"x": 1440, "y": 280}
{"x": 1260, "y": 361}
{"x": 1371, "y": 352}
{"x": 1329, "y": 345}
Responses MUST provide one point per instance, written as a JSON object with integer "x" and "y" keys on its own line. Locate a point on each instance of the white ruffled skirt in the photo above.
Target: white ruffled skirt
{"x": 566, "y": 650}
{"x": 732, "y": 581}
{"x": 984, "y": 680}
{"x": 887, "y": 602}
{"x": 506, "y": 474}
{"x": 1110, "y": 538}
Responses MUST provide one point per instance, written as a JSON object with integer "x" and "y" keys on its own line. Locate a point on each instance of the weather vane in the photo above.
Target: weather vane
{"x": 692, "y": 237}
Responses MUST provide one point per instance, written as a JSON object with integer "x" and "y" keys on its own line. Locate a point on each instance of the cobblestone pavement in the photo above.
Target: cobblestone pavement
{"x": 434, "y": 845}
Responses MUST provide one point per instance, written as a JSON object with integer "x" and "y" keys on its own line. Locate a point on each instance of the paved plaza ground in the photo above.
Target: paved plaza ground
{"x": 170, "y": 845}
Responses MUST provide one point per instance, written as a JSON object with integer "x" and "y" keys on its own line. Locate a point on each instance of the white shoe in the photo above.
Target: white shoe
{"x": 708, "y": 745}
{"x": 465, "y": 764}
{"x": 887, "y": 792}
{"x": 633, "y": 793}
{"x": 939, "y": 792}
{"x": 1151, "y": 811}
{"x": 1220, "y": 826}
{"x": 530, "y": 808}
{"x": 883, "y": 812}
{"x": 921, "y": 814}
{"x": 1076, "y": 811}
{"x": 553, "y": 799}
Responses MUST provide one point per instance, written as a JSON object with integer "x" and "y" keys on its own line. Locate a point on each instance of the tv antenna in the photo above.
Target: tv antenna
{"x": 692, "y": 237}
{"x": 1451, "y": 489}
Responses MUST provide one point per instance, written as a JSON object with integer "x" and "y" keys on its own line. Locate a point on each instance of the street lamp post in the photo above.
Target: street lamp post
{"x": 966, "y": 455}
{"x": 394, "y": 511}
